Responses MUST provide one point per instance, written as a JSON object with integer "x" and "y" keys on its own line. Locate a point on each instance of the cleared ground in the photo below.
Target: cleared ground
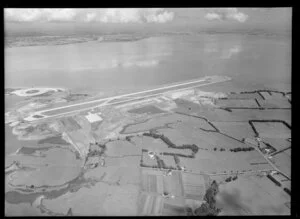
{"x": 150, "y": 109}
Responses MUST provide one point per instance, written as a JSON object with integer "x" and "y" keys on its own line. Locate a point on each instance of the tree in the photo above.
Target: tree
{"x": 203, "y": 210}
{"x": 228, "y": 179}
{"x": 176, "y": 158}
{"x": 70, "y": 213}
{"x": 189, "y": 211}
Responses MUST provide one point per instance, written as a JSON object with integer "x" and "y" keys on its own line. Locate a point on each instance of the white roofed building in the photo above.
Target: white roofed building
{"x": 93, "y": 117}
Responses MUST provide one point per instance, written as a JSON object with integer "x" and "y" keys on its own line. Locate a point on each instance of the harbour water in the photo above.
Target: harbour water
{"x": 12, "y": 143}
{"x": 103, "y": 66}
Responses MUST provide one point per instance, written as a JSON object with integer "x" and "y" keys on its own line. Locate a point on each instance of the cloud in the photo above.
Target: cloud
{"x": 213, "y": 16}
{"x": 29, "y": 15}
{"x": 221, "y": 49}
{"x": 115, "y": 63}
{"x": 146, "y": 63}
{"x": 232, "y": 200}
{"x": 126, "y": 15}
{"x": 111, "y": 15}
{"x": 228, "y": 53}
{"x": 226, "y": 14}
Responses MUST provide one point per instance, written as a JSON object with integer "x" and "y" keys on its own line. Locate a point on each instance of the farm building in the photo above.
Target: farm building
{"x": 93, "y": 117}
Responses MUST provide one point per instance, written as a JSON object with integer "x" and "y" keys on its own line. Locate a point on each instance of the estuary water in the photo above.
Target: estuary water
{"x": 154, "y": 61}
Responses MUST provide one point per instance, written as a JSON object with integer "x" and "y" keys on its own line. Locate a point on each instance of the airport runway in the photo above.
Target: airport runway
{"x": 63, "y": 110}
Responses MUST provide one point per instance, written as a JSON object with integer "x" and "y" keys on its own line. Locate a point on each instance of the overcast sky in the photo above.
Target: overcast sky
{"x": 157, "y": 19}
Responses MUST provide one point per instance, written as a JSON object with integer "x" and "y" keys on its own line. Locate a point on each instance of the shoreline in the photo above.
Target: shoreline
{"x": 27, "y": 92}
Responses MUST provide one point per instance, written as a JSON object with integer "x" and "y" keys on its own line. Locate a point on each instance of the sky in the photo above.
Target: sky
{"x": 99, "y": 20}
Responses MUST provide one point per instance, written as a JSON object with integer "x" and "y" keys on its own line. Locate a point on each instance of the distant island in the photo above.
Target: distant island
{"x": 22, "y": 41}
{"x": 41, "y": 39}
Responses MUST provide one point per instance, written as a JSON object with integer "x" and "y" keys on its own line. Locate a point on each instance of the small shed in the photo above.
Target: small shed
{"x": 93, "y": 117}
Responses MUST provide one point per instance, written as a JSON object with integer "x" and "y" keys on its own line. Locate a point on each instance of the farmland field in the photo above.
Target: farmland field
{"x": 194, "y": 186}
{"x": 272, "y": 129}
{"x": 146, "y": 109}
{"x": 282, "y": 161}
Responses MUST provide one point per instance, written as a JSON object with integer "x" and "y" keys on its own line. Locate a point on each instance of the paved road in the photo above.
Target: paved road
{"x": 266, "y": 158}
{"x": 213, "y": 174}
{"x": 280, "y": 151}
{"x": 276, "y": 168}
